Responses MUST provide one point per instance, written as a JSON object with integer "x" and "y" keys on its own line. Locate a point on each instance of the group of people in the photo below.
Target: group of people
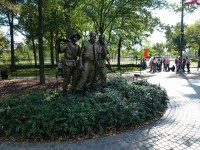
{"x": 181, "y": 63}
{"x": 156, "y": 64}
{"x": 86, "y": 65}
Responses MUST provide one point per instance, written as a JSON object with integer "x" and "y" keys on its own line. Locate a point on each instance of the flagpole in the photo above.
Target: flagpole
{"x": 182, "y": 31}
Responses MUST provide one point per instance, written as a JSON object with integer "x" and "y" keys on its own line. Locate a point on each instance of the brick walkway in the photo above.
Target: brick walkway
{"x": 178, "y": 129}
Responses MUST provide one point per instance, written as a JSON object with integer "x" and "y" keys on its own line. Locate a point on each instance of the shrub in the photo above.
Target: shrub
{"x": 118, "y": 105}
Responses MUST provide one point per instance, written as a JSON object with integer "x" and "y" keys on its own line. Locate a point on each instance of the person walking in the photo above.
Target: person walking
{"x": 151, "y": 64}
{"x": 198, "y": 64}
{"x": 187, "y": 62}
{"x": 178, "y": 63}
{"x": 159, "y": 65}
{"x": 167, "y": 63}
{"x": 154, "y": 62}
{"x": 164, "y": 64}
{"x": 59, "y": 69}
{"x": 183, "y": 64}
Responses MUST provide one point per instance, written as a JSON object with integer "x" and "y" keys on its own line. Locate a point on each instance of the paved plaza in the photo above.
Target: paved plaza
{"x": 178, "y": 129}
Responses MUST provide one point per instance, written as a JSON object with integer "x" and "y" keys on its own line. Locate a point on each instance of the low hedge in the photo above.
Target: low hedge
{"x": 118, "y": 105}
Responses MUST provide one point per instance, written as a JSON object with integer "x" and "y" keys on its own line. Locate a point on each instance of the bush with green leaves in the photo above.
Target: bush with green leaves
{"x": 118, "y": 105}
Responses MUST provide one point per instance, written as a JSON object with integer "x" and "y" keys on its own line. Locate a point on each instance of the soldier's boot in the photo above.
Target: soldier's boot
{"x": 64, "y": 93}
{"x": 78, "y": 92}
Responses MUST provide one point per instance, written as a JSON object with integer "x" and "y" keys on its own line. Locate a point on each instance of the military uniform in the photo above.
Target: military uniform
{"x": 101, "y": 62}
{"x": 88, "y": 58}
{"x": 69, "y": 61}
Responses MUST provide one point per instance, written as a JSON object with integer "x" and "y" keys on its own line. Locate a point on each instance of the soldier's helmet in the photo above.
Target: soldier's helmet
{"x": 75, "y": 34}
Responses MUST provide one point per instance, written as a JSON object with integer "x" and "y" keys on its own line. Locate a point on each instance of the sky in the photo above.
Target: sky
{"x": 167, "y": 17}
{"x": 171, "y": 18}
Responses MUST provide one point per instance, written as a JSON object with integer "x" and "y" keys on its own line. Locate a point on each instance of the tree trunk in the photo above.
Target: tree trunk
{"x": 11, "y": 18}
{"x": 199, "y": 51}
{"x": 51, "y": 48}
{"x": 119, "y": 51}
{"x": 101, "y": 30}
{"x": 56, "y": 52}
{"x": 40, "y": 41}
{"x": 34, "y": 51}
{"x": 29, "y": 59}
{"x": 67, "y": 19}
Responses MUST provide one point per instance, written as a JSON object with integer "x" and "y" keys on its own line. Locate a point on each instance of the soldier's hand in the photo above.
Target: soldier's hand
{"x": 58, "y": 39}
{"x": 81, "y": 67}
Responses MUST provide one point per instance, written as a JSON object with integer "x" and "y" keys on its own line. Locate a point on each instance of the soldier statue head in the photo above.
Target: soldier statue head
{"x": 92, "y": 37}
{"x": 102, "y": 39}
{"x": 75, "y": 37}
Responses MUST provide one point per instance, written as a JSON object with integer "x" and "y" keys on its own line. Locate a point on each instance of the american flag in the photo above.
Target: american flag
{"x": 188, "y": 2}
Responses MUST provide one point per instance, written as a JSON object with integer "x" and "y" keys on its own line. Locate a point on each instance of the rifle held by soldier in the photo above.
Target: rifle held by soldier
{"x": 110, "y": 68}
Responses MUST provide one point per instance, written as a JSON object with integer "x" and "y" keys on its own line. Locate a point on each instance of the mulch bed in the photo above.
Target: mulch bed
{"x": 22, "y": 85}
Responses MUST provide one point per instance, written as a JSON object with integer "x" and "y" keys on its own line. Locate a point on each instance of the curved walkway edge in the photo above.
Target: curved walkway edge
{"x": 178, "y": 129}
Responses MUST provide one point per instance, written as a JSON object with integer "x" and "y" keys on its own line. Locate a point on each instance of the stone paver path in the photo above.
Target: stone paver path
{"x": 178, "y": 129}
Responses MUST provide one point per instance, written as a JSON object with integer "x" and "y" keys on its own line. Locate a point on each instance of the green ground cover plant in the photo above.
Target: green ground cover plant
{"x": 49, "y": 116}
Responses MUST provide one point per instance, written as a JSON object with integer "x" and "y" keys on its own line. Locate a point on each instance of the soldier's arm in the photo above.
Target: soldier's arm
{"x": 57, "y": 45}
{"x": 107, "y": 55}
{"x": 60, "y": 45}
{"x": 63, "y": 48}
{"x": 109, "y": 65}
{"x": 108, "y": 61}
{"x": 79, "y": 51}
{"x": 81, "y": 57}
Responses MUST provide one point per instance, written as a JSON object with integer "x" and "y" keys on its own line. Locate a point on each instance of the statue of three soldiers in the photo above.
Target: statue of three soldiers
{"x": 84, "y": 66}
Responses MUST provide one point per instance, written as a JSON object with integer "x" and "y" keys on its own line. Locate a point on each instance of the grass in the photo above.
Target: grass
{"x": 52, "y": 71}
{"x": 26, "y": 72}
{"x": 33, "y": 72}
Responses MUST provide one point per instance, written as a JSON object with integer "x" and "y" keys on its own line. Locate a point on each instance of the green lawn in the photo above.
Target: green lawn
{"x": 52, "y": 71}
{"x": 33, "y": 72}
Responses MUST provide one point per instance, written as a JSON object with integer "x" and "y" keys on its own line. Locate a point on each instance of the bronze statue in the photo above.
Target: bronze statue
{"x": 69, "y": 61}
{"x": 102, "y": 57}
{"x": 87, "y": 63}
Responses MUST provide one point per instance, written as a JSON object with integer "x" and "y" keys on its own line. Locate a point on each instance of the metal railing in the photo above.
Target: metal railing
{"x": 113, "y": 61}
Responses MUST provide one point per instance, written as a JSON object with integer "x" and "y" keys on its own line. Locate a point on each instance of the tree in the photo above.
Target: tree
{"x": 192, "y": 35}
{"x": 173, "y": 35}
{"x": 159, "y": 48}
{"x": 28, "y": 24}
{"x": 8, "y": 13}
{"x": 4, "y": 44}
{"x": 22, "y": 52}
{"x": 40, "y": 41}
{"x": 105, "y": 13}
{"x": 122, "y": 19}
{"x": 54, "y": 21}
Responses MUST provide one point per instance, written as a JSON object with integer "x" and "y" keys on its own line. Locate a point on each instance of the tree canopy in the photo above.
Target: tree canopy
{"x": 193, "y": 36}
{"x": 124, "y": 22}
